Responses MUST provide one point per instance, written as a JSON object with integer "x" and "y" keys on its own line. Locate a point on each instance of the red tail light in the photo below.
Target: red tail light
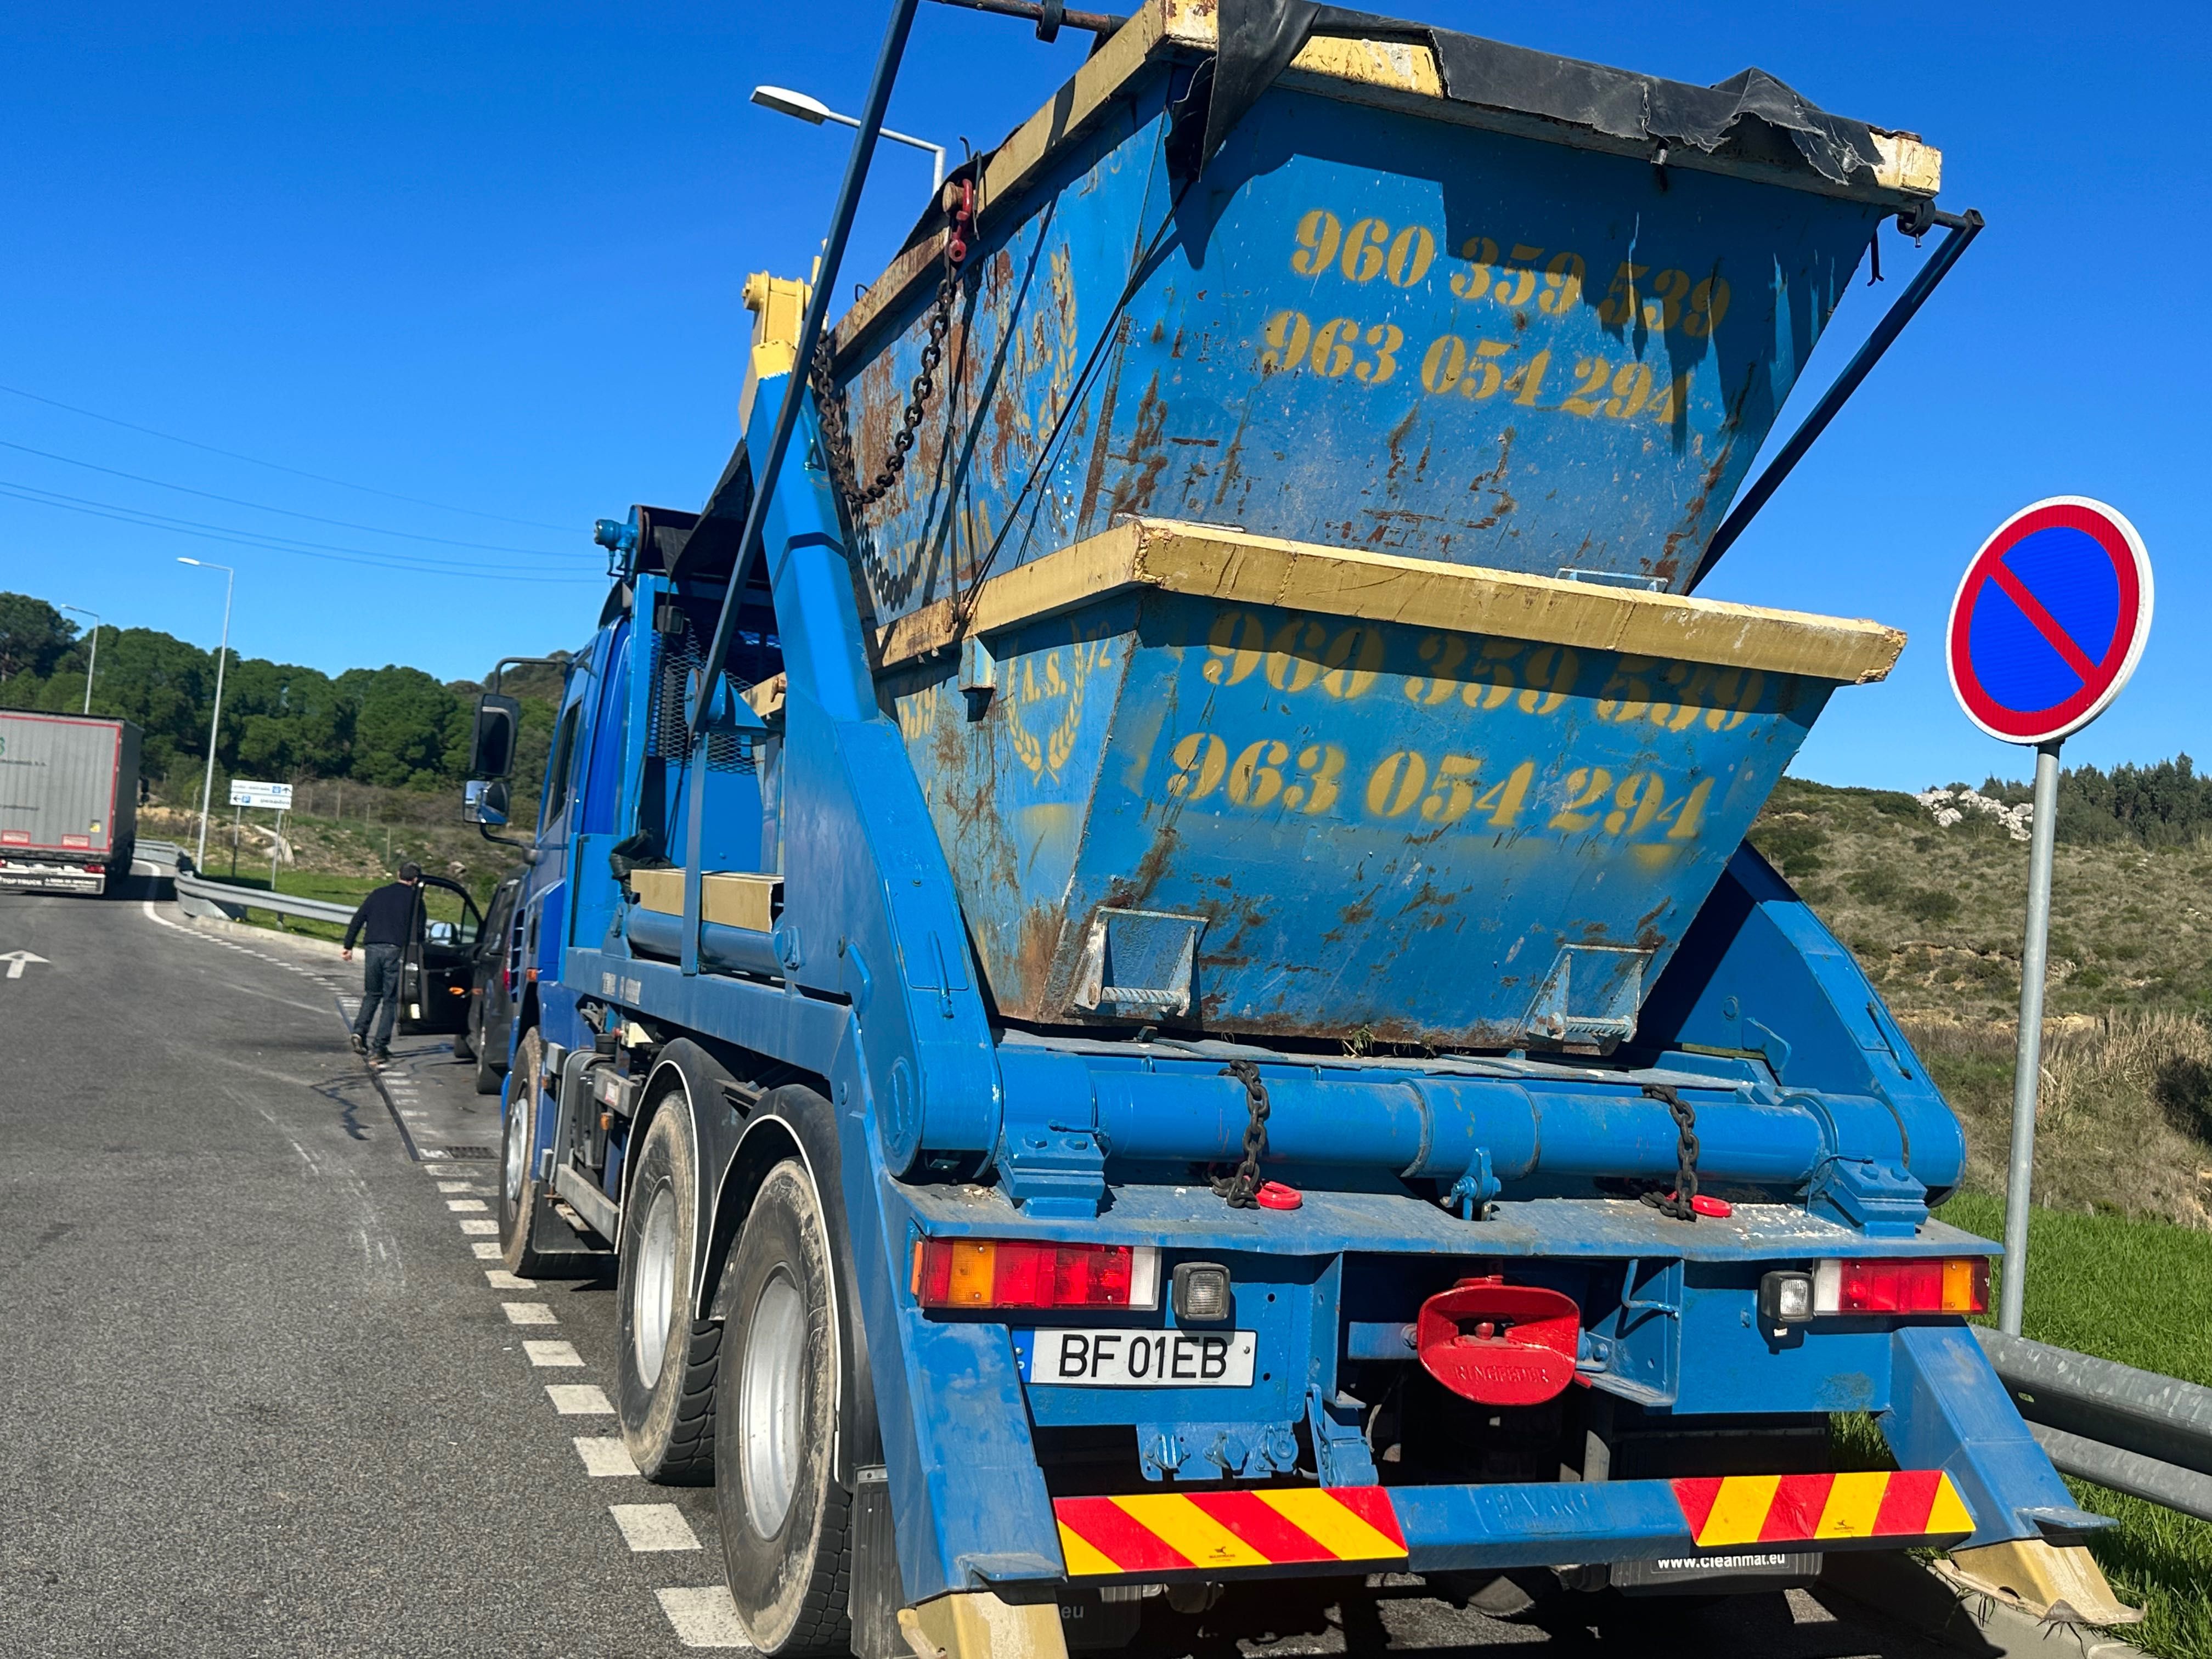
{"x": 1923, "y": 1285}
{"x": 1020, "y": 1272}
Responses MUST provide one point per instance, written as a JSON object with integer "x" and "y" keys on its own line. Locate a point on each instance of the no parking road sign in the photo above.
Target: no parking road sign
{"x": 2045, "y": 628}
{"x": 2051, "y": 620}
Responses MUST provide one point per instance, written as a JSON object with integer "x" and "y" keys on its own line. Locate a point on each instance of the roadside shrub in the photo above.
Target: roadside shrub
{"x": 1929, "y": 905}
{"x": 1794, "y": 848}
{"x": 2183, "y": 1090}
{"x": 1876, "y": 884}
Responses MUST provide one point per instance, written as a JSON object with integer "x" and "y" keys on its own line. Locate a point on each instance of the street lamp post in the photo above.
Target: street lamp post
{"x": 214, "y": 722}
{"x": 784, "y": 101}
{"x": 91, "y": 667}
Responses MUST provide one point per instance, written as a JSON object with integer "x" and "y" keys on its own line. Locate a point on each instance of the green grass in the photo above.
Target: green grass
{"x": 2137, "y": 1292}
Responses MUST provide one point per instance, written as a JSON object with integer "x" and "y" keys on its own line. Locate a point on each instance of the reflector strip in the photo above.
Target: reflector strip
{"x": 1223, "y": 1531}
{"x": 1789, "y": 1509}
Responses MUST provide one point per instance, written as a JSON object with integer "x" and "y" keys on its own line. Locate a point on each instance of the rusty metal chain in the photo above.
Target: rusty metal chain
{"x": 1681, "y": 1203}
{"x": 1237, "y": 1190}
{"x": 836, "y": 432}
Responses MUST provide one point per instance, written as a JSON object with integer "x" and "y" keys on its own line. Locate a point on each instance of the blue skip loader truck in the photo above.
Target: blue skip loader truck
{"x": 1141, "y": 941}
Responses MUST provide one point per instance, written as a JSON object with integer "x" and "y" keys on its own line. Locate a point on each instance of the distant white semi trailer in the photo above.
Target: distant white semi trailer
{"x": 68, "y": 801}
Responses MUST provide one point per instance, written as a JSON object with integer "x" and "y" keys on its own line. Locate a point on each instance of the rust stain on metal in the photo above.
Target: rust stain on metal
{"x": 1145, "y": 460}
{"x": 1095, "y": 475}
{"x": 1396, "y": 438}
{"x": 1042, "y": 925}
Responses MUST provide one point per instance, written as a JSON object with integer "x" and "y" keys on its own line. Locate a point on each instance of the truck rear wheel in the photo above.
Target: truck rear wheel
{"x": 666, "y": 1365}
{"x": 785, "y": 1524}
{"x": 518, "y": 1179}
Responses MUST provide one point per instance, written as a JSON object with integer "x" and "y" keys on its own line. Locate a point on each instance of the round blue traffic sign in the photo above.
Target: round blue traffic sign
{"x": 2051, "y": 620}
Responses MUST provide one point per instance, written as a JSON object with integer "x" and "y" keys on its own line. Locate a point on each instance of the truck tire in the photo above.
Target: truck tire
{"x": 518, "y": 1179}
{"x": 489, "y": 1071}
{"x": 665, "y": 1364}
{"x": 786, "y": 1525}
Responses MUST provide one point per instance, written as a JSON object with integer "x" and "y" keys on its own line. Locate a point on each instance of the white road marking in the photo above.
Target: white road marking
{"x": 499, "y": 1279}
{"x": 704, "y": 1618}
{"x": 463, "y": 1205}
{"x": 486, "y": 1251}
{"x": 553, "y": 1353}
{"x": 579, "y": 1400}
{"x": 528, "y": 1313}
{"x": 15, "y": 959}
{"x": 650, "y": 1527}
{"x": 483, "y": 1229}
{"x": 458, "y": 1186}
{"x": 604, "y": 1454}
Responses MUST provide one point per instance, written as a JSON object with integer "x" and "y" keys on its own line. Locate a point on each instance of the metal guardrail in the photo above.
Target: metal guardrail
{"x": 158, "y": 852}
{"x": 2134, "y": 1432}
{"x": 228, "y": 898}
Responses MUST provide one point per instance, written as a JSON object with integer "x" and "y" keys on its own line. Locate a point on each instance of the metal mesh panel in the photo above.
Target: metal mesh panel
{"x": 674, "y": 656}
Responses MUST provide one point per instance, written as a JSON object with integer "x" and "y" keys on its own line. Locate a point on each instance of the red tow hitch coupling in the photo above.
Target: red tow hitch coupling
{"x": 1499, "y": 1344}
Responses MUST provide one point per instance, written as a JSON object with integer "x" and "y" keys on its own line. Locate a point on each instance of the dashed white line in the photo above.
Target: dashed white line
{"x": 499, "y": 1279}
{"x": 646, "y": 1527}
{"x": 528, "y": 1313}
{"x": 485, "y": 1228}
{"x": 704, "y": 1618}
{"x": 463, "y": 1206}
{"x": 604, "y": 1454}
{"x": 486, "y": 1251}
{"x": 579, "y": 1398}
{"x": 553, "y": 1353}
{"x": 459, "y": 1187}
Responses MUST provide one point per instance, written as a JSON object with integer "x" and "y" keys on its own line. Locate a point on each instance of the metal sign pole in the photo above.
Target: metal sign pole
{"x": 2028, "y": 1063}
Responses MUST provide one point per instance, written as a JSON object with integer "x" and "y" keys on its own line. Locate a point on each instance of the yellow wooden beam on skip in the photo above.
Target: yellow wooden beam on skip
{"x": 1209, "y": 562}
{"x": 978, "y": 1624}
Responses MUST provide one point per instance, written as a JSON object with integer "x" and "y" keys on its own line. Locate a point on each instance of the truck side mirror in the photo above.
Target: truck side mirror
{"x": 491, "y": 755}
{"x": 483, "y": 800}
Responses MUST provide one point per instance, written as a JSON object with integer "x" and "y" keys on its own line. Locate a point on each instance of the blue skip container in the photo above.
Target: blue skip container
{"x": 1420, "y": 300}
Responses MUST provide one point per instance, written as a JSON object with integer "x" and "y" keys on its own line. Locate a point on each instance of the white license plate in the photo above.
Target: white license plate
{"x": 1138, "y": 1360}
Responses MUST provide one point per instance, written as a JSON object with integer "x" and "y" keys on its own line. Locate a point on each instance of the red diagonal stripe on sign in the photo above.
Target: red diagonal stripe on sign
{"x": 1262, "y": 1528}
{"x": 1114, "y": 1533}
{"x": 1696, "y": 1498}
{"x": 1795, "y": 1511}
{"x": 2045, "y": 625}
{"x": 1905, "y": 1504}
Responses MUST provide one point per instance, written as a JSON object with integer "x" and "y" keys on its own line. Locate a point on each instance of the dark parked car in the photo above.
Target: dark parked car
{"x": 490, "y": 1022}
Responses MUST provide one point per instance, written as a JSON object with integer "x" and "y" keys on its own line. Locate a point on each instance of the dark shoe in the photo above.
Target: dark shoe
{"x": 381, "y": 1057}
{"x": 360, "y": 1043}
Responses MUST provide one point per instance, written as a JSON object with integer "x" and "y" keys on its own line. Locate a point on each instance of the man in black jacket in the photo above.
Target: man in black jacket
{"x": 391, "y": 916}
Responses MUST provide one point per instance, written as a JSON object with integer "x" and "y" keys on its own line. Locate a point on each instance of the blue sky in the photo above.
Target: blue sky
{"x": 489, "y": 258}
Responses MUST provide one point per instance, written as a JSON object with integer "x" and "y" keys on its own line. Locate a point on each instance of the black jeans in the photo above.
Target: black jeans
{"x": 380, "y": 990}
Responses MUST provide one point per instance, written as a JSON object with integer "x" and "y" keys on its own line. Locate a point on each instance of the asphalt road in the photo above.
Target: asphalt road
{"x": 260, "y": 1394}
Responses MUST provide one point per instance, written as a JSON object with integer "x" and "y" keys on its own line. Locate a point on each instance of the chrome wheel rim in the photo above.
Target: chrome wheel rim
{"x": 653, "y": 1289}
{"x": 771, "y": 1399}
{"x": 518, "y": 1140}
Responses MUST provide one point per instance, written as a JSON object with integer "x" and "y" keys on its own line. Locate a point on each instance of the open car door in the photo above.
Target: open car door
{"x": 435, "y": 971}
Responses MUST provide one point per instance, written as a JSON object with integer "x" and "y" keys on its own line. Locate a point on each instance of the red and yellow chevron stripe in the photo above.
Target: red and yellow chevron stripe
{"x": 1792, "y": 1508}
{"x": 1216, "y": 1531}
